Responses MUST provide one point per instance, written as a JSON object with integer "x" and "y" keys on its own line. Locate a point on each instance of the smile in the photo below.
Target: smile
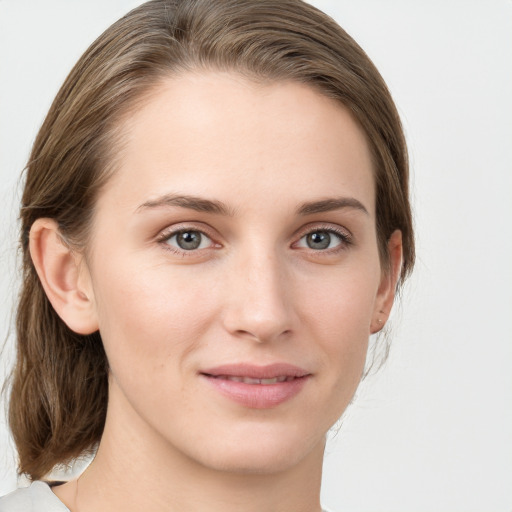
{"x": 257, "y": 387}
{"x": 250, "y": 380}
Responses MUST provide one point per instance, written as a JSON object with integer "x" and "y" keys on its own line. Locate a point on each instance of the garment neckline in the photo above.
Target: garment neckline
{"x": 46, "y": 487}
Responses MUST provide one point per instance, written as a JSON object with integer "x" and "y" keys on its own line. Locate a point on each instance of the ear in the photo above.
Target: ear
{"x": 64, "y": 277}
{"x": 387, "y": 287}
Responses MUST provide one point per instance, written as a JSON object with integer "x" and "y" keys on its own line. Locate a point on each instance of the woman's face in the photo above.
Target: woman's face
{"x": 234, "y": 270}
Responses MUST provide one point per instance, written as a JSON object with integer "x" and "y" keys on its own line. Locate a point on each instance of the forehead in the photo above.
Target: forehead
{"x": 224, "y": 136}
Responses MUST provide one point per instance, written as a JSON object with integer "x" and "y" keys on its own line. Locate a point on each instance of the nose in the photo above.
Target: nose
{"x": 258, "y": 302}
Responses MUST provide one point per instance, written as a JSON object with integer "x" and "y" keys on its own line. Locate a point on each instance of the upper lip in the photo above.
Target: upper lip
{"x": 252, "y": 371}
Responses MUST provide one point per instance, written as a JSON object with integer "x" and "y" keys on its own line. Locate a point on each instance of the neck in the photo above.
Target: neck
{"x": 135, "y": 469}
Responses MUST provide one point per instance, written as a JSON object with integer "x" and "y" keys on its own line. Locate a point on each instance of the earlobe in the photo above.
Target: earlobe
{"x": 387, "y": 288}
{"x": 61, "y": 273}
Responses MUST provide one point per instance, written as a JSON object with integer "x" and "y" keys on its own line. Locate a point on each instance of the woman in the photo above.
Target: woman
{"x": 215, "y": 219}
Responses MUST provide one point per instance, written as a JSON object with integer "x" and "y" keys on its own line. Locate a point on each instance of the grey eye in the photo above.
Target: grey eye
{"x": 322, "y": 239}
{"x": 189, "y": 240}
{"x": 318, "y": 240}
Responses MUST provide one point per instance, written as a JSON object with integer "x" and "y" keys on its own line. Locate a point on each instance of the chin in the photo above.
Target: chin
{"x": 252, "y": 463}
{"x": 261, "y": 453}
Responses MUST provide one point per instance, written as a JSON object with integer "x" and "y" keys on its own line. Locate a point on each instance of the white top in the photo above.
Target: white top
{"x": 36, "y": 498}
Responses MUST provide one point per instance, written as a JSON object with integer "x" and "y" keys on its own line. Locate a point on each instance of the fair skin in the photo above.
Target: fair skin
{"x": 238, "y": 230}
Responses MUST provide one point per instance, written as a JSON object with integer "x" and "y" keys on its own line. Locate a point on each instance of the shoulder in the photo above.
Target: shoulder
{"x": 38, "y": 497}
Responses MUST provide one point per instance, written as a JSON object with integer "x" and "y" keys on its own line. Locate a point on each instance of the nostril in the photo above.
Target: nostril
{"x": 262, "y": 336}
{"x": 262, "y": 313}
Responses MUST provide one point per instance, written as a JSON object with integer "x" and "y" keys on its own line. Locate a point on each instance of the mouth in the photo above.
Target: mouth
{"x": 250, "y": 380}
{"x": 257, "y": 387}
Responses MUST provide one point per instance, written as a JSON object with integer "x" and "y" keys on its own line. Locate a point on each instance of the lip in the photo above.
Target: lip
{"x": 227, "y": 380}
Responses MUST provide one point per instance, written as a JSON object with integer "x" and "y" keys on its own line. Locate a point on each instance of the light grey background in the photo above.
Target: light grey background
{"x": 433, "y": 430}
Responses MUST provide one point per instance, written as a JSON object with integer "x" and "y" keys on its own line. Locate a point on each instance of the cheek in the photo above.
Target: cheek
{"x": 147, "y": 321}
{"x": 342, "y": 306}
{"x": 338, "y": 316}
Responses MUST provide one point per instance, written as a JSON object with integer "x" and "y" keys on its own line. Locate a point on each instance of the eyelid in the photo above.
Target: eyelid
{"x": 174, "y": 230}
{"x": 323, "y": 226}
{"x": 343, "y": 233}
{"x": 346, "y": 237}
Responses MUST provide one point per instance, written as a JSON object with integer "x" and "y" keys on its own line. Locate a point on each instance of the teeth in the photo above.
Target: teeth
{"x": 235, "y": 379}
{"x": 250, "y": 380}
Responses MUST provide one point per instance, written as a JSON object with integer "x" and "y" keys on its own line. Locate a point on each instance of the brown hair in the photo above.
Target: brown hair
{"x": 59, "y": 389}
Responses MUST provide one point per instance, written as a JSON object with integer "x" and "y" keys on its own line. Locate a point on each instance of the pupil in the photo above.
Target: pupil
{"x": 189, "y": 240}
{"x": 319, "y": 240}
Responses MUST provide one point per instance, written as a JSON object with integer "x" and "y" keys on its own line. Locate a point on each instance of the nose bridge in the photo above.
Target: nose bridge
{"x": 260, "y": 305}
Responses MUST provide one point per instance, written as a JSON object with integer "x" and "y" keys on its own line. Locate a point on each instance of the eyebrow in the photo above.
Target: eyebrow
{"x": 201, "y": 204}
{"x": 328, "y": 205}
{"x": 198, "y": 204}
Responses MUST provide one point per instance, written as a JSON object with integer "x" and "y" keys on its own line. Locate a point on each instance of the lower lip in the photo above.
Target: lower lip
{"x": 258, "y": 396}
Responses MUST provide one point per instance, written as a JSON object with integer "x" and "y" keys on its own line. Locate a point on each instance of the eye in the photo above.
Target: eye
{"x": 323, "y": 239}
{"x": 188, "y": 240}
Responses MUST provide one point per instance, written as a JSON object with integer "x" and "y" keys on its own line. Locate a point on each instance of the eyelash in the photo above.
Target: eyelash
{"x": 170, "y": 233}
{"x": 344, "y": 238}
